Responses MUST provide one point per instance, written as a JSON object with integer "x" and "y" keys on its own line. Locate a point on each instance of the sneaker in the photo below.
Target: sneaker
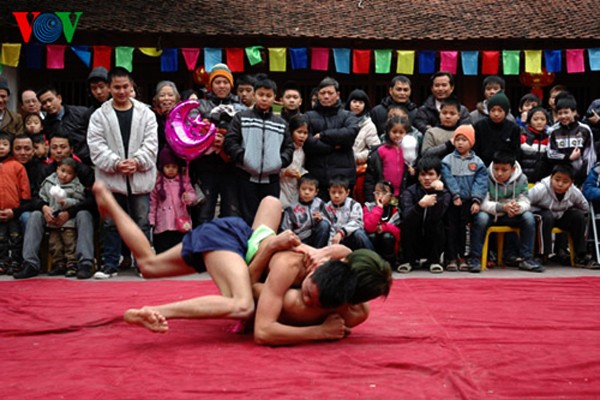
{"x": 71, "y": 272}
{"x": 27, "y": 271}
{"x": 475, "y": 265}
{"x": 58, "y": 270}
{"x": 587, "y": 263}
{"x": 126, "y": 263}
{"x": 512, "y": 261}
{"x": 531, "y": 265}
{"x": 105, "y": 274}
{"x": 85, "y": 270}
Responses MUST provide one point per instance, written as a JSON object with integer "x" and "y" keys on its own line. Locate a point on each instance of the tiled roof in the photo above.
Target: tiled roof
{"x": 356, "y": 20}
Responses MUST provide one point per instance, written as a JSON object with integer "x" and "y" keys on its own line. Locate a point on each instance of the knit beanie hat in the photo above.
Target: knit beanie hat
{"x": 499, "y": 99}
{"x": 466, "y": 131}
{"x": 99, "y": 73}
{"x": 4, "y": 84}
{"x": 220, "y": 70}
{"x": 167, "y": 156}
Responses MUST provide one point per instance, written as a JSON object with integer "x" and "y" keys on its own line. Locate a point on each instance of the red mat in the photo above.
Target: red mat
{"x": 431, "y": 339}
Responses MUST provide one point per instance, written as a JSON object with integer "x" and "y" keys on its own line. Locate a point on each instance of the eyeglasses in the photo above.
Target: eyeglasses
{"x": 382, "y": 193}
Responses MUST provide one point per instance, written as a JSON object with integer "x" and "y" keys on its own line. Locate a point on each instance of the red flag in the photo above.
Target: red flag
{"x": 235, "y": 59}
{"x": 102, "y": 56}
{"x": 361, "y": 61}
{"x": 490, "y": 62}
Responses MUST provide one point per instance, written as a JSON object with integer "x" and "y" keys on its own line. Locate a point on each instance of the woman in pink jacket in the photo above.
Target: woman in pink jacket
{"x": 168, "y": 202}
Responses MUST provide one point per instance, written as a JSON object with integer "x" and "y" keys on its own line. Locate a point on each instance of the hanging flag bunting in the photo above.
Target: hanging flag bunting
{"x": 470, "y": 62}
{"x": 406, "y": 62}
{"x": 33, "y": 56}
{"x": 575, "y": 62}
{"x": 1, "y": 69}
{"x": 553, "y": 60}
{"x": 212, "y": 57}
{"x": 277, "y": 59}
{"x": 84, "y": 54}
{"x": 449, "y": 61}
{"x": 253, "y": 54}
{"x": 299, "y": 57}
{"x": 102, "y": 56}
{"x": 319, "y": 59}
{"x": 383, "y": 61}
{"x": 190, "y": 55}
{"x": 10, "y": 54}
{"x": 594, "y": 55}
{"x": 235, "y": 59}
{"x": 150, "y": 51}
{"x": 533, "y": 61}
{"x": 55, "y": 56}
{"x": 124, "y": 57}
{"x": 426, "y": 62}
{"x": 489, "y": 62}
{"x": 511, "y": 60}
{"x": 341, "y": 59}
{"x": 361, "y": 61}
{"x": 168, "y": 60}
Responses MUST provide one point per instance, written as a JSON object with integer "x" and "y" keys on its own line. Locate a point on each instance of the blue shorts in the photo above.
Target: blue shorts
{"x": 229, "y": 233}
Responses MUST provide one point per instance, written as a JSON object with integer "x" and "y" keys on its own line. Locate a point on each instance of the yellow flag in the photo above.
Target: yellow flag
{"x": 150, "y": 51}
{"x": 10, "y": 54}
{"x": 277, "y": 59}
{"x": 533, "y": 61}
{"x": 406, "y": 62}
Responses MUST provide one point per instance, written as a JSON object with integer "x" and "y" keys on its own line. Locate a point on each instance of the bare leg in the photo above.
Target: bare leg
{"x": 168, "y": 263}
{"x": 268, "y": 213}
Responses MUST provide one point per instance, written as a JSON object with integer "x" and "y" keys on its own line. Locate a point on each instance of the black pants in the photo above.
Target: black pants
{"x": 457, "y": 218}
{"x": 11, "y": 241}
{"x": 572, "y": 221}
{"x": 165, "y": 240}
{"x": 250, "y": 195}
{"x": 422, "y": 240}
{"x": 385, "y": 245}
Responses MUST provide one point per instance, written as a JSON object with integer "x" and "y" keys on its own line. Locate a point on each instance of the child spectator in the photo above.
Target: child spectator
{"x": 14, "y": 189}
{"x": 496, "y": 133}
{"x": 560, "y": 204}
{"x": 306, "y": 216}
{"x": 40, "y": 145}
{"x": 33, "y": 123}
{"x": 552, "y": 98}
{"x": 382, "y": 222}
{"x": 346, "y": 217}
{"x": 169, "y": 199}
{"x": 398, "y": 110}
{"x": 259, "y": 144}
{"x": 506, "y": 203}
{"x": 245, "y": 89}
{"x": 466, "y": 177}
{"x": 291, "y": 100}
{"x": 61, "y": 190}
{"x": 571, "y": 140}
{"x": 423, "y": 206}
{"x": 289, "y": 176}
{"x": 534, "y": 144}
{"x": 437, "y": 139}
{"x": 366, "y": 139}
{"x": 526, "y": 103}
{"x": 491, "y": 85}
{"x": 387, "y": 161}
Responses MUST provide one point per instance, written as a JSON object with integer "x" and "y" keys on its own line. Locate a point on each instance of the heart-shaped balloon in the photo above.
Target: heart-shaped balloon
{"x": 188, "y": 135}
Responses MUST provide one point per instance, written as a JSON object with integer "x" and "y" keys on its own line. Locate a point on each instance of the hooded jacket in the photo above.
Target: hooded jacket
{"x": 428, "y": 114}
{"x": 501, "y": 193}
{"x": 379, "y": 112}
{"x": 465, "y": 177}
{"x": 75, "y": 194}
{"x": 543, "y": 197}
{"x": 565, "y": 138}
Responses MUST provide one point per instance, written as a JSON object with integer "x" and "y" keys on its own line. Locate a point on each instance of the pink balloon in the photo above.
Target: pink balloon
{"x": 188, "y": 136}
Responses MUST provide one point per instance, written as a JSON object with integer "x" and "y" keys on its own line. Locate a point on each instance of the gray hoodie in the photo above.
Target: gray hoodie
{"x": 543, "y": 197}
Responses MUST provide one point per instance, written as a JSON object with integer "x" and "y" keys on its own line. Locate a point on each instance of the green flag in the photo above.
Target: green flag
{"x": 510, "y": 62}
{"x": 253, "y": 54}
{"x": 124, "y": 57}
{"x": 383, "y": 61}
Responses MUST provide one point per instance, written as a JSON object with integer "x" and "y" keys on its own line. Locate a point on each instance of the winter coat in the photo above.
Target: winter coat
{"x": 591, "y": 186}
{"x": 565, "y": 138}
{"x": 543, "y": 197}
{"x": 491, "y": 137}
{"x": 74, "y": 191}
{"x": 388, "y": 218}
{"x": 515, "y": 188}
{"x": 331, "y": 155}
{"x": 481, "y": 111}
{"x": 14, "y": 184}
{"x": 85, "y": 174}
{"x": 345, "y": 218}
{"x": 534, "y": 157}
{"x": 12, "y": 123}
{"x": 414, "y": 214}
{"x": 107, "y": 150}
{"x": 163, "y": 214}
{"x": 74, "y": 123}
{"x": 379, "y": 112}
{"x": 429, "y": 116}
{"x": 366, "y": 139}
{"x": 36, "y": 174}
{"x": 389, "y": 156}
{"x": 260, "y": 144}
{"x": 298, "y": 217}
{"x": 466, "y": 177}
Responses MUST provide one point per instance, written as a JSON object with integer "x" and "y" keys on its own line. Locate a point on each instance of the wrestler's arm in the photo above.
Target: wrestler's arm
{"x": 355, "y": 314}
{"x": 317, "y": 257}
{"x": 267, "y": 329}
{"x": 271, "y": 245}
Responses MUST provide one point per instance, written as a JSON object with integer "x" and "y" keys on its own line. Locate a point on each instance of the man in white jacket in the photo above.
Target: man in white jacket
{"x": 123, "y": 140}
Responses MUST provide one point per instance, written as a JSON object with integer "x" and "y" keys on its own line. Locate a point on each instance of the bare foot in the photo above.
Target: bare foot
{"x": 104, "y": 198}
{"x": 147, "y": 318}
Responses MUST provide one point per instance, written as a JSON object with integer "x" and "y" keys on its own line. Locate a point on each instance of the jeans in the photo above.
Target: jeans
{"x": 138, "y": 207}
{"x": 358, "y": 240}
{"x": 23, "y": 218}
{"x": 525, "y": 222}
{"x": 320, "y": 235}
{"x": 213, "y": 185}
{"x": 34, "y": 234}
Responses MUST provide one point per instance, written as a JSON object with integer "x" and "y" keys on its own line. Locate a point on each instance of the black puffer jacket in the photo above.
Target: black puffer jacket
{"x": 74, "y": 123}
{"x": 428, "y": 115}
{"x": 331, "y": 155}
{"x": 379, "y": 112}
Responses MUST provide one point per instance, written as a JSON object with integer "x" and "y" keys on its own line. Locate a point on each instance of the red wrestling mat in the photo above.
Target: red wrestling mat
{"x": 432, "y": 339}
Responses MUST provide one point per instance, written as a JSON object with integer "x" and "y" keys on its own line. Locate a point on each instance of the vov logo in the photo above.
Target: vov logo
{"x": 47, "y": 27}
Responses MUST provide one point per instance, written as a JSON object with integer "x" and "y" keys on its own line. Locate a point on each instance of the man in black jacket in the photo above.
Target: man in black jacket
{"x": 72, "y": 120}
{"x": 332, "y": 131}
{"x": 399, "y": 94}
